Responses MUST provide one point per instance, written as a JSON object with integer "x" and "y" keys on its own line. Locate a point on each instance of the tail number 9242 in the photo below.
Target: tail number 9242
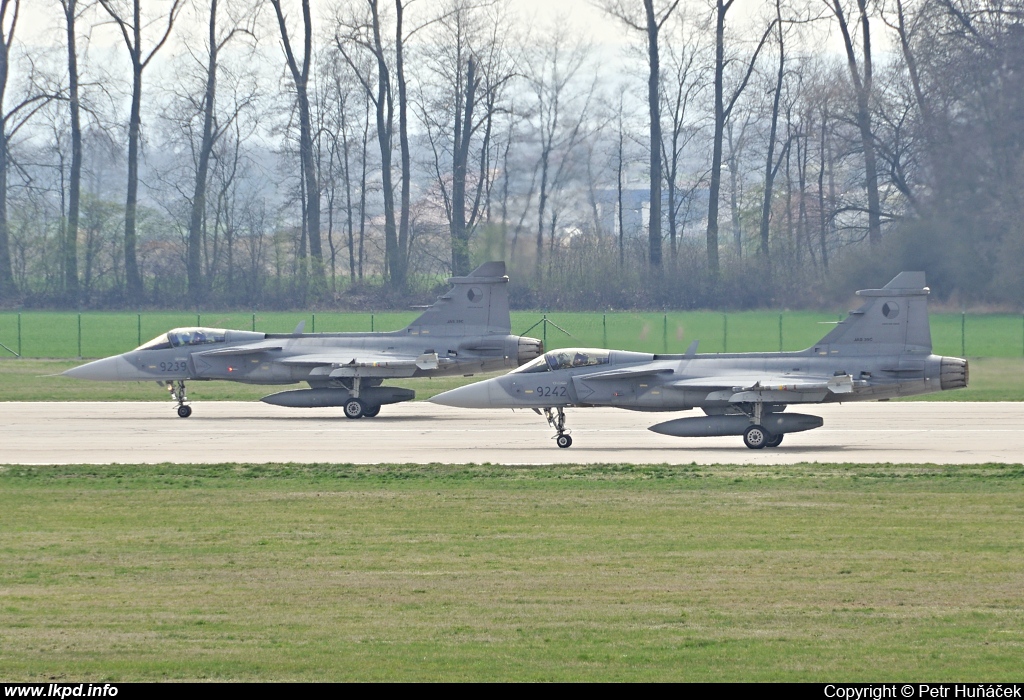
{"x": 546, "y": 391}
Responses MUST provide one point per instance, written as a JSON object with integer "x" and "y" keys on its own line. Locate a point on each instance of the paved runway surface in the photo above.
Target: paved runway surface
{"x": 105, "y": 433}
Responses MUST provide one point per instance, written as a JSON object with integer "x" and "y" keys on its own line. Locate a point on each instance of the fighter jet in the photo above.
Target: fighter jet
{"x": 466, "y": 331}
{"x": 880, "y": 351}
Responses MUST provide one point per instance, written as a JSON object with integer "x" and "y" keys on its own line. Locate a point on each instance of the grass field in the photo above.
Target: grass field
{"x": 992, "y": 379}
{"x": 66, "y": 335}
{"x": 237, "y": 572}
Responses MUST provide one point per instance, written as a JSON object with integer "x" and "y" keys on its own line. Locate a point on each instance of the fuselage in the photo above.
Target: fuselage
{"x": 264, "y": 358}
{"x": 660, "y": 382}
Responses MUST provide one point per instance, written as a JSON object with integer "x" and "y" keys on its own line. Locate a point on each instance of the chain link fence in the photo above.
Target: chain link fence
{"x": 97, "y": 334}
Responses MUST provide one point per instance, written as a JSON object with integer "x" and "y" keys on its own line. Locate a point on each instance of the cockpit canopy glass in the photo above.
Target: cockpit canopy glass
{"x": 185, "y": 337}
{"x": 564, "y": 359}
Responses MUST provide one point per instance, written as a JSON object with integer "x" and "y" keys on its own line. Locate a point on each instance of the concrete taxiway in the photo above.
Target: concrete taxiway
{"x": 150, "y": 433}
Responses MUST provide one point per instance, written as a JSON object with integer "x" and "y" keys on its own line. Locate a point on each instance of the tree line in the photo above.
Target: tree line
{"x": 282, "y": 153}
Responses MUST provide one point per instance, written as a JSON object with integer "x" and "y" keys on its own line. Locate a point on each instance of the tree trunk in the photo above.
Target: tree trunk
{"x": 196, "y": 287}
{"x": 862, "y": 88}
{"x": 460, "y": 156}
{"x": 8, "y": 289}
{"x": 133, "y": 280}
{"x": 400, "y": 270}
{"x": 769, "y": 163}
{"x": 716, "y": 152}
{"x": 654, "y": 104}
{"x": 307, "y": 157}
{"x": 71, "y": 288}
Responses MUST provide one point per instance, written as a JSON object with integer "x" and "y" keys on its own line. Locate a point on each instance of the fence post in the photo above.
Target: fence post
{"x": 664, "y": 333}
{"x": 314, "y": 323}
{"x": 139, "y": 329}
{"x": 19, "y": 334}
{"x": 199, "y": 320}
{"x": 780, "y": 332}
{"x": 725, "y": 332}
{"x": 545, "y": 334}
{"x": 963, "y": 334}
{"x": 79, "y": 336}
{"x": 604, "y": 330}
{"x": 371, "y": 323}
{"x": 254, "y": 322}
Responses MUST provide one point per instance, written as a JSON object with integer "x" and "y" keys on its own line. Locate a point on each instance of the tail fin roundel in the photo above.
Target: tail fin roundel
{"x": 892, "y": 320}
{"x": 477, "y": 304}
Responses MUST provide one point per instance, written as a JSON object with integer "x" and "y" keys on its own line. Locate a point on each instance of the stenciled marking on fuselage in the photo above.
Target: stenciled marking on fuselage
{"x": 546, "y": 391}
{"x": 175, "y": 366}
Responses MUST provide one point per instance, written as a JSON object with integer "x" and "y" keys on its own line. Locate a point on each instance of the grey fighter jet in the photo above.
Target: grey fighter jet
{"x": 466, "y": 331}
{"x": 880, "y": 351}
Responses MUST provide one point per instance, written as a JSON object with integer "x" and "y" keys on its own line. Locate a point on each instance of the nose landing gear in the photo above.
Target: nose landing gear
{"x": 177, "y": 390}
{"x": 557, "y": 421}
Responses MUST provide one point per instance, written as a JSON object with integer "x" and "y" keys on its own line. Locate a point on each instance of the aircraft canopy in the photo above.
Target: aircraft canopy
{"x": 185, "y": 337}
{"x": 566, "y": 358}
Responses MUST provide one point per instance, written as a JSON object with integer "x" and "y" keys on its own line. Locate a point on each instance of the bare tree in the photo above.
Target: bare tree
{"x": 861, "y": 76}
{"x": 461, "y": 91}
{"x": 771, "y": 167}
{"x": 71, "y": 14}
{"x": 8, "y": 23}
{"x": 127, "y": 15}
{"x": 723, "y": 110}
{"x": 650, "y": 25}
{"x": 11, "y": 121}
{"x": 364, "y": 32}
{"x": 310, "y": 181}
{"x": 560, "y": 110}
{"x": 736, "y": 141}
{"x": 212, "y": 130}
{"x": 620, "y": 169}
{"x": 683, "y": 82}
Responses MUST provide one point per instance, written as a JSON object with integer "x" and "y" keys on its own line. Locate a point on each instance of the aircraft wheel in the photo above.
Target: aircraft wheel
{"x": 354, "y": 408}
{"x": 184, "y": 411}
{"x": 775, "y": 441}
{"x": 756, "y": 437}
{"x": 563, "y": 441}
{"x": 371, "y": 411}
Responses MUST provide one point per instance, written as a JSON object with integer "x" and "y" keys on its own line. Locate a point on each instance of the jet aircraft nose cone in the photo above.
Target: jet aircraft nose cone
{"x": 472, "y": 396}
{"x": 109, "y": 369}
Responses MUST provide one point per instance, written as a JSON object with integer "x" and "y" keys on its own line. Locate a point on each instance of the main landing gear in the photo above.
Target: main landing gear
{"x": 177, "y": 390}
{"x": 557, "y": 421}
{"x": 355, "y": 408}
{"x": 756, "y": 437}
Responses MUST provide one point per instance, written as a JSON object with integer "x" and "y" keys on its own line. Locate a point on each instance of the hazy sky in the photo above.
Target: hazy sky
{"x": 42, "y": 22}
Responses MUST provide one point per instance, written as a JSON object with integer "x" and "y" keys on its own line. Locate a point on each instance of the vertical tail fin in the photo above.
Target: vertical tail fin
{"x": 892, "y": 320}
{"x": 477, "y": 304}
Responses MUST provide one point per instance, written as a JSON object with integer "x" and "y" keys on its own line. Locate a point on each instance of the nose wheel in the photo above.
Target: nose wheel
{"x": 556, "y": 420}
{"x": 177, "y": 390}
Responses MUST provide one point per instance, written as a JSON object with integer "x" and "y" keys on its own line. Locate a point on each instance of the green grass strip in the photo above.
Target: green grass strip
{"x": 809, "y": 572}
